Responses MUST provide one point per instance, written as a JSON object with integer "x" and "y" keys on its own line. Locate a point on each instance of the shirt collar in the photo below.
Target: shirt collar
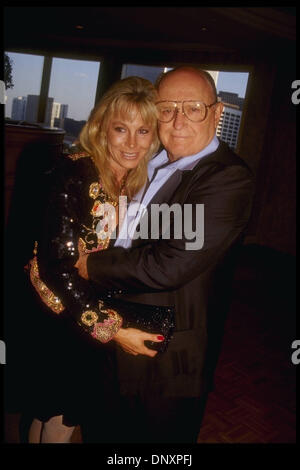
{"x": 184, "y": 163}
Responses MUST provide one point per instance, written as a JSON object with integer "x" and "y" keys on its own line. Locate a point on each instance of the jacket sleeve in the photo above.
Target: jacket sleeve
{"x": 57, "y": 255}
{"x": 167, "y": 264}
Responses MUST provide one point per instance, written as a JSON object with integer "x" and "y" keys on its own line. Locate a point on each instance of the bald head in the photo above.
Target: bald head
{"x": 186, "y": 69}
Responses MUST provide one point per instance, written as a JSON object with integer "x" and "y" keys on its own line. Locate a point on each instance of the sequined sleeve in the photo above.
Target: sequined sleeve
{"x": 57, "y": 254}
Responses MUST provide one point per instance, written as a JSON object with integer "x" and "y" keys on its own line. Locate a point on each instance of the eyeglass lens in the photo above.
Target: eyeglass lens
{"x": 193, "y": 110}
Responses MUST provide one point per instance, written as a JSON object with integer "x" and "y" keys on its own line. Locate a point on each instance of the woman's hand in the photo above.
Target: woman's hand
{"x": 132, "y": 340}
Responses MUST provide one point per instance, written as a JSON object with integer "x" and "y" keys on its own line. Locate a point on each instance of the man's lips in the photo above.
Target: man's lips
{"x": 179, "y": 136}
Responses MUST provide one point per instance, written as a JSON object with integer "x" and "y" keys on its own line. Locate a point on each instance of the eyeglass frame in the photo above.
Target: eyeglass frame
{"x": 176, "y": 110}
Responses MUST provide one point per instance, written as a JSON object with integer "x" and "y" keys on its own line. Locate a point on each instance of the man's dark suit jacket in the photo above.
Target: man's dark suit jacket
{"x": 197, "y": 282}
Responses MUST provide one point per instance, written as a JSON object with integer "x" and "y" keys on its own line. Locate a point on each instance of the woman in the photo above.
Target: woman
{"x": 71, "y": 369}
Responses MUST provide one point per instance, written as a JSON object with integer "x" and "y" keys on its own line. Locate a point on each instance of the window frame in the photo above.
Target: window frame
{"x": 110, "y": 69}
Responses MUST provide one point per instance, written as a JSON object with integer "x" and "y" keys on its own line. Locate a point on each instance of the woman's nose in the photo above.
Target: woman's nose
{"x": 131, "y": 140}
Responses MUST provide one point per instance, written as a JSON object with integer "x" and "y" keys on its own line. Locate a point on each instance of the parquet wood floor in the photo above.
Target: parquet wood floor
{"x": 254, "y": 400}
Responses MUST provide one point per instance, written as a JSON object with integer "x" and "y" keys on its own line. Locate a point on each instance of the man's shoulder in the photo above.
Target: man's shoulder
{"x": 223, "y": 158}
{"x": 220, "y": 169}
{"x": 229, "y": 157}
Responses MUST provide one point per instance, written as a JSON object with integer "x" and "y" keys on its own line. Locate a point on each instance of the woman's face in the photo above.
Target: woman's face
{"x": 128, "y": 142}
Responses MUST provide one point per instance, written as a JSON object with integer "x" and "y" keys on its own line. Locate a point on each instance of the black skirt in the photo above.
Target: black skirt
{"x": 53, "y": 367}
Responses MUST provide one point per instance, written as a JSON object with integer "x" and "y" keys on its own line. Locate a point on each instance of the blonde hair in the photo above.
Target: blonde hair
{"x": 125, "y": 98}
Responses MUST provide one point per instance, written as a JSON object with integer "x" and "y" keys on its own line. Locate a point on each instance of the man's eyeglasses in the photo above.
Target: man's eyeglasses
{"x": 195, "y": 111}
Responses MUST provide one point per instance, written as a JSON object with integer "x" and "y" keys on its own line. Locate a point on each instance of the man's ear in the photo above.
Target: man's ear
{"x": 218, "y": 112}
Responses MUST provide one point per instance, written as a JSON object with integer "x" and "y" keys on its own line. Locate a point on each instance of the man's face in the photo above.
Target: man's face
{"x": 182, "y": 137}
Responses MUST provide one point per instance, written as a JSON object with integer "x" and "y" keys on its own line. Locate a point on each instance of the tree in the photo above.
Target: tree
{"x": 8, "y": 72}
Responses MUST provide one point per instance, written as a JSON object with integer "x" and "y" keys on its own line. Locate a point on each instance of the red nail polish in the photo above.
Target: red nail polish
{"x": 160, "y": 337}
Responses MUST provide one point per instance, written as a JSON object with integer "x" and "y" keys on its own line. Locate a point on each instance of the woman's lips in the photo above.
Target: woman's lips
{"x": 130, "y": 155}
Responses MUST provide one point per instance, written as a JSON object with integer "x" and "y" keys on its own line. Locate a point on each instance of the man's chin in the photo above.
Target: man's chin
{"x": 177, "y": 154}
{"x": 173, "y": 158}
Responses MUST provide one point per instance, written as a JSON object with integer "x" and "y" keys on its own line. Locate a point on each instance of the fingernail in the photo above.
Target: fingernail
{"x": 160, "y": 337}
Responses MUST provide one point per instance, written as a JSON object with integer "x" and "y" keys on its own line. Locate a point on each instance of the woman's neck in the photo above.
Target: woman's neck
{"x": 120, "y": 178}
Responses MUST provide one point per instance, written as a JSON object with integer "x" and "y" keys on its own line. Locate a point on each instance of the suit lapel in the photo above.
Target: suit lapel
{"x": 165, "y": 193}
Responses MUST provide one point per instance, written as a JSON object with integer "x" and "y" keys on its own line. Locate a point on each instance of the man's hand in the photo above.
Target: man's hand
{"x": 81, "y": 265}
{"x": 132, "y": 340}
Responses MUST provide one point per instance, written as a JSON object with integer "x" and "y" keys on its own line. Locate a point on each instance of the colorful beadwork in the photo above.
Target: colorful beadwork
{"x": 89, "y": 318}
{"x": 47, "y": 296}
{"x": 104, "y": 331}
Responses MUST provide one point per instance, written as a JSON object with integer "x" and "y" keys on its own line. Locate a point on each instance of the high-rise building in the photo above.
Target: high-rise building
{"x": 231, "y": 98}
{"x": 229, "y": 124}
{"x": 55, "y": 112}
{"x": 18, "y": 108}
{"x": 63, "y": 114}
{"x": 32, "y": 109}
{"x": 59, "y": 113}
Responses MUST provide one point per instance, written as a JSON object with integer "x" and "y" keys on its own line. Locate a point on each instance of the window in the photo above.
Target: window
{"x": 231, "y": 88}
{"x": 71, "y": 95}
{"x": 73, "y": 87}
{"x": 26, "y": 76}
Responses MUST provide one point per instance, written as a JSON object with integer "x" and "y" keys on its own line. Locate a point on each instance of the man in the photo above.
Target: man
{"x": 165, "y": 395}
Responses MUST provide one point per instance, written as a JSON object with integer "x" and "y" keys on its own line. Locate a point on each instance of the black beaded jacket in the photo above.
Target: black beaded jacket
{"x": 74, "y": 214}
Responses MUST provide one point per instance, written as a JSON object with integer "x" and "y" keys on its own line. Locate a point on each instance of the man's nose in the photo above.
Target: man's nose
{"x": 179, "y": 119}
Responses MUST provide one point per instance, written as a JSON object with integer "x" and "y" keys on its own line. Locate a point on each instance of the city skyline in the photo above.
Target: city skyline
{"x": 25, "y": 108}
{"x": 74, "y": 82}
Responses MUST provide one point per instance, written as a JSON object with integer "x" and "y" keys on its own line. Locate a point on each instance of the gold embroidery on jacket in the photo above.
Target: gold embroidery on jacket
{"x": 89, "y": 317}
{"x": 94, "y": 190}
{"x": 47, "y": 296}
{"x": 104, "y": 331}
{"x": 76, "y": 156}
{"x": 104, "y": 220}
